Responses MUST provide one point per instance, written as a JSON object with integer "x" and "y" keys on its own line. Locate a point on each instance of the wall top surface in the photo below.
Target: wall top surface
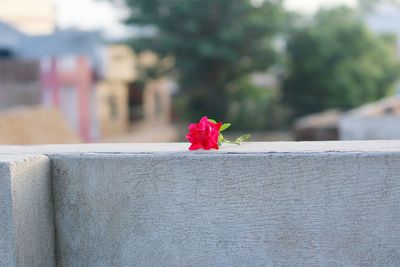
{"x": 182, "y": 148}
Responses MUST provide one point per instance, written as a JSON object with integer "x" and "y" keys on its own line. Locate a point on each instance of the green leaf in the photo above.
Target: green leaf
{"x": 220, "y": 138}
{"x": 225, "y": 126}
{"x": 243, "y": 138}
{"x": 211, "y": 120}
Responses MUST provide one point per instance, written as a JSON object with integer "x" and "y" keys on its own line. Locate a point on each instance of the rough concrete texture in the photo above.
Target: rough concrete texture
{"x": 7, "y": 255}
{"x": 228, "y": 209}
{"x": 29, "y": 216}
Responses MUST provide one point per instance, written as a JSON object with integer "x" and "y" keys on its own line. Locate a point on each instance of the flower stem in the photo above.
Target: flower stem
{"x": 223, "y": 140}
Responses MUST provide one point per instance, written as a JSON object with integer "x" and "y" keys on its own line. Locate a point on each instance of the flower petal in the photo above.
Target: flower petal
{"x": 195, "y": 147}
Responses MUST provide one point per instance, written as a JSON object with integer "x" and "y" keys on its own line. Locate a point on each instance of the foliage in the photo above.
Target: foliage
{"x": 336, "y": 62}
{"x": 214, "y": 43}
{"x": 256, "y": 108}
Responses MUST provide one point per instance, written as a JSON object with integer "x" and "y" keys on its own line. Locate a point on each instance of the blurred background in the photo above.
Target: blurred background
{"x": 96, "y": 71}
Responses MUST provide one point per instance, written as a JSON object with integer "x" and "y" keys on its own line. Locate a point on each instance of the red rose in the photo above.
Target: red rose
{"x": 204, "y": 134}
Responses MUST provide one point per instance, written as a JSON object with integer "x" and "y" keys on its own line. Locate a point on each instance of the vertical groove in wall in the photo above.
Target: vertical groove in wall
{"x": 7, "y": 233}
{"x": 51, "y": 175}
{"x": 32, "y": 211}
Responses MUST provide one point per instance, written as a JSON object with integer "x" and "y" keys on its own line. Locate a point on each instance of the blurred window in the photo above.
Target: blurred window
{"x": 112, "y": 103}
{"x": 5, "y": 53}
{"x": 388, "y": 111}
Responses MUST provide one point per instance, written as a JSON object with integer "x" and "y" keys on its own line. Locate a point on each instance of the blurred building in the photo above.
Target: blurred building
{"x": 91, "y": 91}
{"x": 64, "y": 67}
{"x": 119, "y": 64}
{"x": 9, "y": 41}
{"x": 112, "y": 108}
{"x": 318, "y": 127}
{"x": 63, "y": 43}
{"x": 29, "y": 16}
{"x": 149, "y": 96}
{"x": 19, "y": 78}
{"x": 113, "y": 90}
{"x": 88, "y": 81}
{"x": 374, "y": 121}
{"x": 378, "y": 120}
{"x": 157, "y": 101}
{"x": 68, "y": 85}
{"x": 19, "y": 84}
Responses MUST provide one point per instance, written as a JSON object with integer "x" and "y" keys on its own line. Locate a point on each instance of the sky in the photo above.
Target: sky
{"x": 310, "y": 6}
{"x": 97, "y": 14}
{"x": 90, "y": 15}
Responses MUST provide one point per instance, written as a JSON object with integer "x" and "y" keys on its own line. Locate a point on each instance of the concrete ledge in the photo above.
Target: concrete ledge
{"x": 27, "y": 228}
{"x": 182, "y": 148}
{"x": 259, "y": 204}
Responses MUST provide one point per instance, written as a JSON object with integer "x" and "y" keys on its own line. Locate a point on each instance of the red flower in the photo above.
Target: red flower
{"x": 204, "y": 134}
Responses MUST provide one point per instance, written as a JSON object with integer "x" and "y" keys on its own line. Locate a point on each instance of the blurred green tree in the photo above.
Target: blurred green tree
{"x": 256, "y": 108}
{"x": 215, "y": 43}
{"x": 336, "y": 62}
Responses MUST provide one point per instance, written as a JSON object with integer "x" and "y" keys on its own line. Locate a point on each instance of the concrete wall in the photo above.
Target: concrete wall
{"x": 259, "y": 204}
{"x": 26, "y": 212}
{"x": 209, "y": 210}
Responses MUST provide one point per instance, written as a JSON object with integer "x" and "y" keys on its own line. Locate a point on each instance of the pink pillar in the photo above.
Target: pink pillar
{"x": 80, "y": 79}
{"x": 55, "y": 83}
{"x": 84, "y": 85}
{"x": 50, "y": 83}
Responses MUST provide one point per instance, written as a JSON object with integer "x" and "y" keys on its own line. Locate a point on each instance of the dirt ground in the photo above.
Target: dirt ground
{"x": 35, "y": 125}
{"x": 144, "y": 133}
